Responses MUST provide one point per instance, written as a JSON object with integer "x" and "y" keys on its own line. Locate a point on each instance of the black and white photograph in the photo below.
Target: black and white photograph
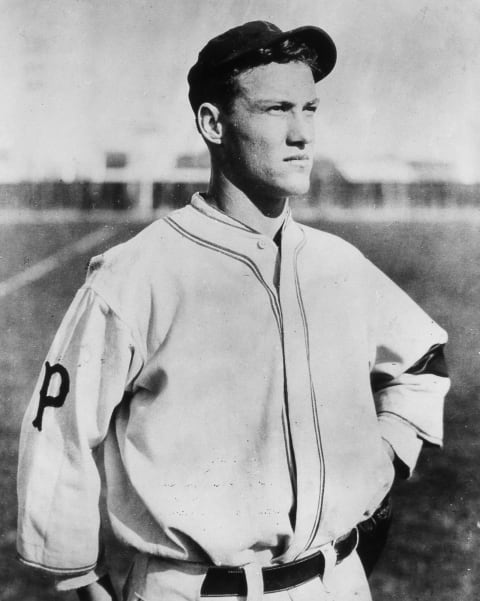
{"x": 239, "y": 300}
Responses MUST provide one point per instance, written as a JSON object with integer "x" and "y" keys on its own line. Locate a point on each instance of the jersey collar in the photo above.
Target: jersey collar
{"x": 199, "y": 203}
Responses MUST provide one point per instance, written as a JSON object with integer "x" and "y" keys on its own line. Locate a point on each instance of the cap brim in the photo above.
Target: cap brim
{"x": 313, "y": 37}
{"x": 319, "y": 40}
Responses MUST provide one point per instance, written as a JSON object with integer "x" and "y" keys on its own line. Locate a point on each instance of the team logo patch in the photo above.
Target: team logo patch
{"x": 51, "y": 401}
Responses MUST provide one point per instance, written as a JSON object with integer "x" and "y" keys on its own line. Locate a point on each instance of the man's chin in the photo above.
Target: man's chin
{"x": 284, "y": 188}
{"x": 297, "y": 187}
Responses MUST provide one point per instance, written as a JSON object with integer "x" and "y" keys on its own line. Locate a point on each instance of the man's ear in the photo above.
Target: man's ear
{"x": 209, "y": 123}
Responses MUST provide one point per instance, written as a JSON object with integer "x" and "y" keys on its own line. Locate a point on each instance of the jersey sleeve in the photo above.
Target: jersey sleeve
{"x": 89, "y": 368}
{"x": 408, "y": 374}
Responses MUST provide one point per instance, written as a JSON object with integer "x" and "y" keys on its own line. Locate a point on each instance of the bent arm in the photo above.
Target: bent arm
{"x": 410, "y": 408}
{"x": 408, "y": 373}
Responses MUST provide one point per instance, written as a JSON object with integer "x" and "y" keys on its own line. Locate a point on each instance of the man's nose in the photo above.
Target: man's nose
{"x": 300, "y": 130}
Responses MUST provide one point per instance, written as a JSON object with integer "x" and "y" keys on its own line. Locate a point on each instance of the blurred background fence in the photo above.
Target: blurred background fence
{"x": 386, "y": 183}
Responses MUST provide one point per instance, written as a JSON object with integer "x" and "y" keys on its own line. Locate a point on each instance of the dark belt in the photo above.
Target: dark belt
{"x": 227, "y": 582}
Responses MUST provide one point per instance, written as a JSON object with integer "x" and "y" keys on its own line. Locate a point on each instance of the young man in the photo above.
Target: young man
{"x": 251, "y": 382}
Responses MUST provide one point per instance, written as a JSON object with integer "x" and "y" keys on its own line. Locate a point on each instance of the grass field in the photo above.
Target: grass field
{"x": 434, "y": 548}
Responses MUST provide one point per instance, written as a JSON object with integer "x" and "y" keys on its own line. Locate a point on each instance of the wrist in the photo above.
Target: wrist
{"x": 101, "y": 590}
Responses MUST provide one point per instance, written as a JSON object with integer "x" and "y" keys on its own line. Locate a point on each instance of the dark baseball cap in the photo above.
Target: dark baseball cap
{"x": 255, "y": 35}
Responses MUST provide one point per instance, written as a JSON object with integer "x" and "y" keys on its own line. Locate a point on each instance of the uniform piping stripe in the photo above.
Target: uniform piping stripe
{"x": 287, "y": 432}
{"x": 55, "y": 570}
{"x": 240, "y": 226}
{"x": 289, "y": 446}
{"x": 312, "y": 395}
{"x": 238, "y": 257}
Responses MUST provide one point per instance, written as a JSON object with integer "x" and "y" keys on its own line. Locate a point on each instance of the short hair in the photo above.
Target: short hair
{"x": 220, "y": 87}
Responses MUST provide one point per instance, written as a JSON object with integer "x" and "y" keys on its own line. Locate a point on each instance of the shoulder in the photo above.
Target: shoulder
{"x": 141, "y": 254}
{"x": 127, "y": 274}
{"x": 325, "y": 246}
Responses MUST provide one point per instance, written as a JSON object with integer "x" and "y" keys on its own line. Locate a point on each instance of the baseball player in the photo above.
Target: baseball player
{"x": 243, "y": 388}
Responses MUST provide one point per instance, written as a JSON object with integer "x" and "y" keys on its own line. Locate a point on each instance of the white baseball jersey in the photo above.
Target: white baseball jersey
{"x": 235, "y": 412}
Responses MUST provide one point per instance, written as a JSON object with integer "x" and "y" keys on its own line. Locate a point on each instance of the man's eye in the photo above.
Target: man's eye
{"x": 311, "y": 109}
{"x": 276, "y": 108}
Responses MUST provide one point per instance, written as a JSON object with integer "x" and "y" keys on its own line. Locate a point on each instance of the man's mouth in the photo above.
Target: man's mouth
{"x": 298, "y": 159}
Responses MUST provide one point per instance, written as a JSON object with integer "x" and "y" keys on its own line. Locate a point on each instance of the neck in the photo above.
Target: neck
{"x": 265, "y": 218}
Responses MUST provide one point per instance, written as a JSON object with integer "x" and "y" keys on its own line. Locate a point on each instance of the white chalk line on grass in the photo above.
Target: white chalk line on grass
{"x": 45, "y": 266}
